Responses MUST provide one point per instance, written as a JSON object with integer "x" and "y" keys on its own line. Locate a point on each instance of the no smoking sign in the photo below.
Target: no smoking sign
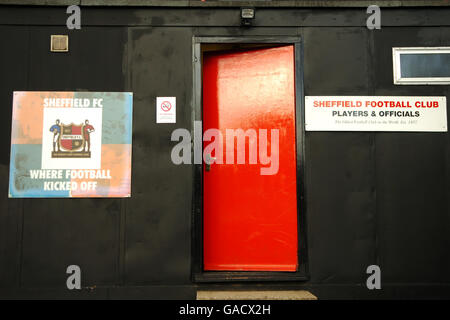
{"x": 166, "y": 110}
{"x": 166, "y": 106}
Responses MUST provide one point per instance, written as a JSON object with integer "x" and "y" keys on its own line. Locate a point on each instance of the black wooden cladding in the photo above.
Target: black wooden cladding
{"x": 372, "y": 197}
{"x": 234, "y": 3}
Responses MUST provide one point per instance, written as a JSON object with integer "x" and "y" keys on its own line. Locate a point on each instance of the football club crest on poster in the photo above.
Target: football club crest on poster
{"x": 71, "y": 144}
{"x": 70, "y": 141}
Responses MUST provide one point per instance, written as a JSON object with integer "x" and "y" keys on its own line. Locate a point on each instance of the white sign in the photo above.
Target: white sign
{"x": 375, "y": 113}
{"x": 166, "y": 110}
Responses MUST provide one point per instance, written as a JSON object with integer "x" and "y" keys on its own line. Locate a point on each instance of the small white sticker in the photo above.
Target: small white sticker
{"x": 166, "y": 110}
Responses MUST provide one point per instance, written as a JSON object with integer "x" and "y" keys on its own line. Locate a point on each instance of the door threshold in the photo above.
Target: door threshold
{"x": 250, "y": 276}
{"x": 255, "y": 295}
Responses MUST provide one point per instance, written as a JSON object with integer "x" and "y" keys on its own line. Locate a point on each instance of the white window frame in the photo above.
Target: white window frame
{"x": 417, "y": 50}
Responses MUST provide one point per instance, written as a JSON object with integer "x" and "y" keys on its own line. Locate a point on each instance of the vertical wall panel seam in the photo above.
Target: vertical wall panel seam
{"x": 304, "y": 200}
{"x": 20, "y": 236}
{"x": 129, "y": 69}
{"x": 371, "y": 91}
{"x": 119, "y": 229}
{"x": 21, "y": 223}
{"x": 446, "y": 173}
{"x": 370, "y": 72}
{"x": 125, "y": 202}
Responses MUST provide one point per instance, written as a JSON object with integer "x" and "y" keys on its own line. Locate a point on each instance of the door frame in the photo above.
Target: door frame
{"x": 197, "y": 272}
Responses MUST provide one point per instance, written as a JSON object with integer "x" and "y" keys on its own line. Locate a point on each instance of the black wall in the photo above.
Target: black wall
{"x": 371, "y": 197}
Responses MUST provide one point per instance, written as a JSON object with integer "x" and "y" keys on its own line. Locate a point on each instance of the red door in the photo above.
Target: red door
{"x": 250, "y": 219}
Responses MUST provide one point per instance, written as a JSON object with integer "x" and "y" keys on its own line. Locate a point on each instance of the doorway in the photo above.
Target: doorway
{"x": 248, "y": 213}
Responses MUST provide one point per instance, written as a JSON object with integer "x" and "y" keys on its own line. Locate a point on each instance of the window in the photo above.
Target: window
{"x": 421, "y": 65}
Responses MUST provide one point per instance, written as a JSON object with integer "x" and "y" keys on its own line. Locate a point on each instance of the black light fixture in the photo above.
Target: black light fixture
{"x": 247, "y": 15}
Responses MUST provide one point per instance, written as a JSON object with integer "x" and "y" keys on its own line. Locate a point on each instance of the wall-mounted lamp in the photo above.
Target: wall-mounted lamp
{"x": 247, "y": 15}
